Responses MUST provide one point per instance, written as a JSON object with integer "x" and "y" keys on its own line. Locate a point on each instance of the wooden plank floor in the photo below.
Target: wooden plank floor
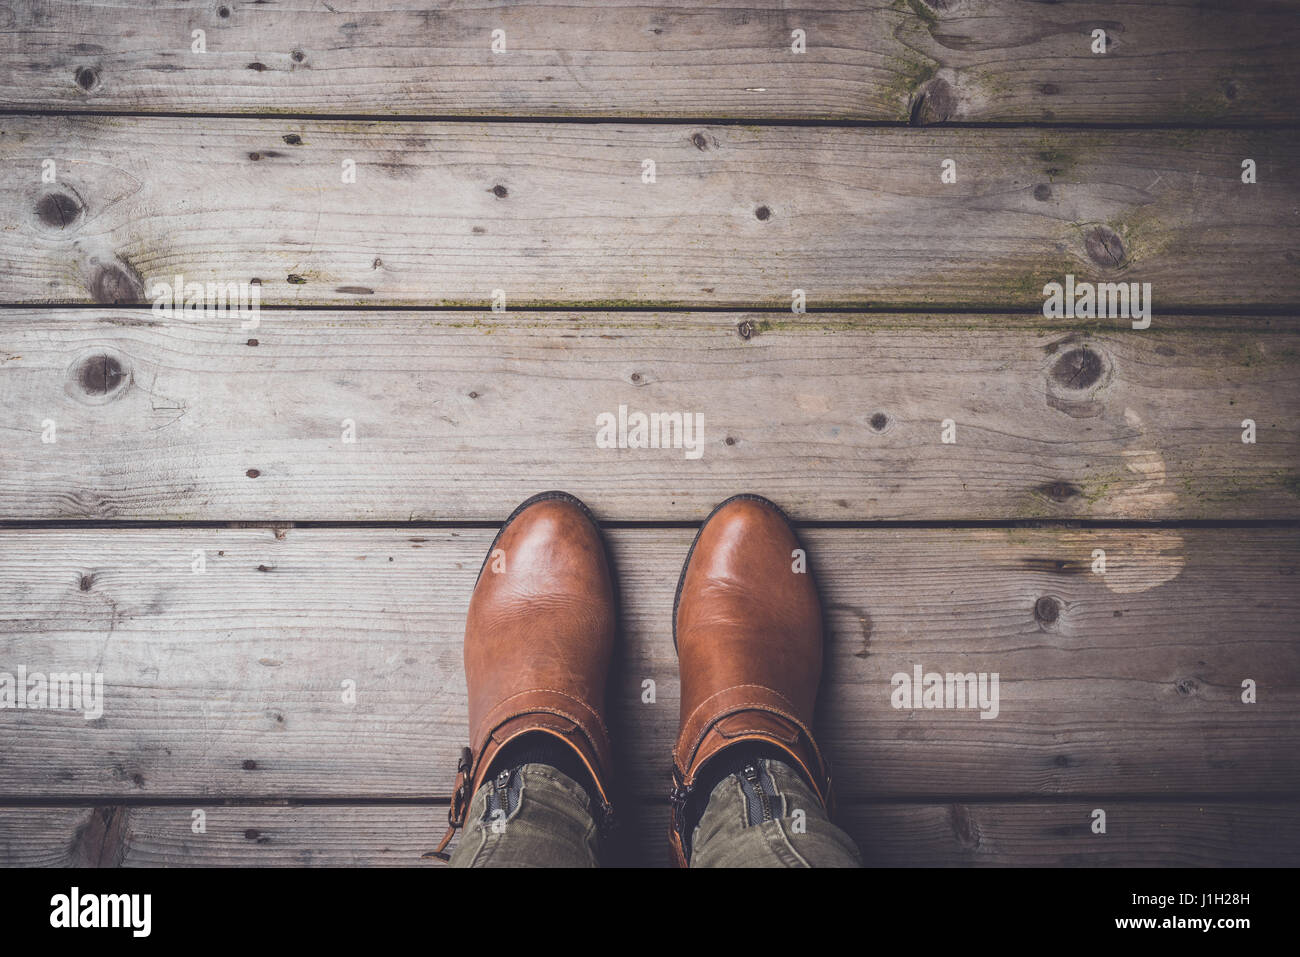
{"x": 1053, "y": 420}
{"x": 230, "y": 520}
{"x": 983, "y": 60}
{"x": 557, "y": 214}
{"x": 227, "y": 681}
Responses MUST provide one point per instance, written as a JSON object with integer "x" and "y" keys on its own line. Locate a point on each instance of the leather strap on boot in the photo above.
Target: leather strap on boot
{"x": 550, "y": 712}
{"x": 741, "y": 713}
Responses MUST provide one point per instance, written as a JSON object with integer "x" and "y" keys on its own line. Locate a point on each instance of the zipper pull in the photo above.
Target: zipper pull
{"x": 607, "y": 819}
{"x": 499, "y": 800}
{"x": 750, "y": 773}
{"x": 677, "y": 798}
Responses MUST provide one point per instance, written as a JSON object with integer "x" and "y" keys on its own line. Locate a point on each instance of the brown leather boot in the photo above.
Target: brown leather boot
{"x": 748, "y": 630}
{"x": 538, "y": 641}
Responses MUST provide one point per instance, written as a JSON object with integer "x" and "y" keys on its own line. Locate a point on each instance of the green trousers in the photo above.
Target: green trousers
{"x": 539, "y": 817}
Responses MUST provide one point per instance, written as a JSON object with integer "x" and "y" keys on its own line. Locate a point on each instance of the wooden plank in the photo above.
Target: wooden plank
{"x": 460, "y": 417}
{"x": 1032, "y": 834}
{"x": 879, "y": 60}
{"x": 230, "y": 683}
{"x": 443, "y": 214}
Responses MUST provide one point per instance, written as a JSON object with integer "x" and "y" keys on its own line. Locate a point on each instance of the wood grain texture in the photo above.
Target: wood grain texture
{"x": 446, "y": 213}
{"x": 459, "y": 416}
{"x": 228, "y": 684}
{"x": 887, "y": 61}
{"x": 1030, "y": 834}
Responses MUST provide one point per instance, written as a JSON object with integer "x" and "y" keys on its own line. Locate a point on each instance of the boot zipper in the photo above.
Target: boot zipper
{"x": 499, "y": 799}
{"x": 607, "y": 821}
{"x": 757, "y": 804}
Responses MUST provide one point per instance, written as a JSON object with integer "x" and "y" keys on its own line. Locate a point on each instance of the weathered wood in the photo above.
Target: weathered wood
{"x": 879, "y": 60}
{"x": 460, "y": 417}
{"x": 1030, "y": 834}
{"x": 446, "y": 213}
{"x": 229, "y": 683}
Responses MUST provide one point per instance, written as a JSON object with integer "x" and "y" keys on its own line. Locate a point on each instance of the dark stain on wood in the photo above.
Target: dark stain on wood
{"x": 1078, "y": 369}
{"x": 1047, "y": 610}
{"x": 1057, "y": 566}
{"x": 115, "y": 284}
{"x": 936, "y": 103}
{"x": 1059, "y": 491}
{"x": 101, "y": 375}
{"x": 864, "y": 627}
{"x": 87, "y": 78}
{"x": 1042, "y": 192}
{"x": 1069, "y": 381}
{"x": 249, "y": 765}
{"x": 1056, "y": 162}
{"x": 1105, "y": 248}
{"x": 293, "y": 139}
{"x": 356, "y": 290}
{"x": 131, "y": 322}
{"x": 258, "y": 67}
{"x": 964, "y": 829}
{"x": 58, "y": 210}
{"x": 100, "y": 842}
